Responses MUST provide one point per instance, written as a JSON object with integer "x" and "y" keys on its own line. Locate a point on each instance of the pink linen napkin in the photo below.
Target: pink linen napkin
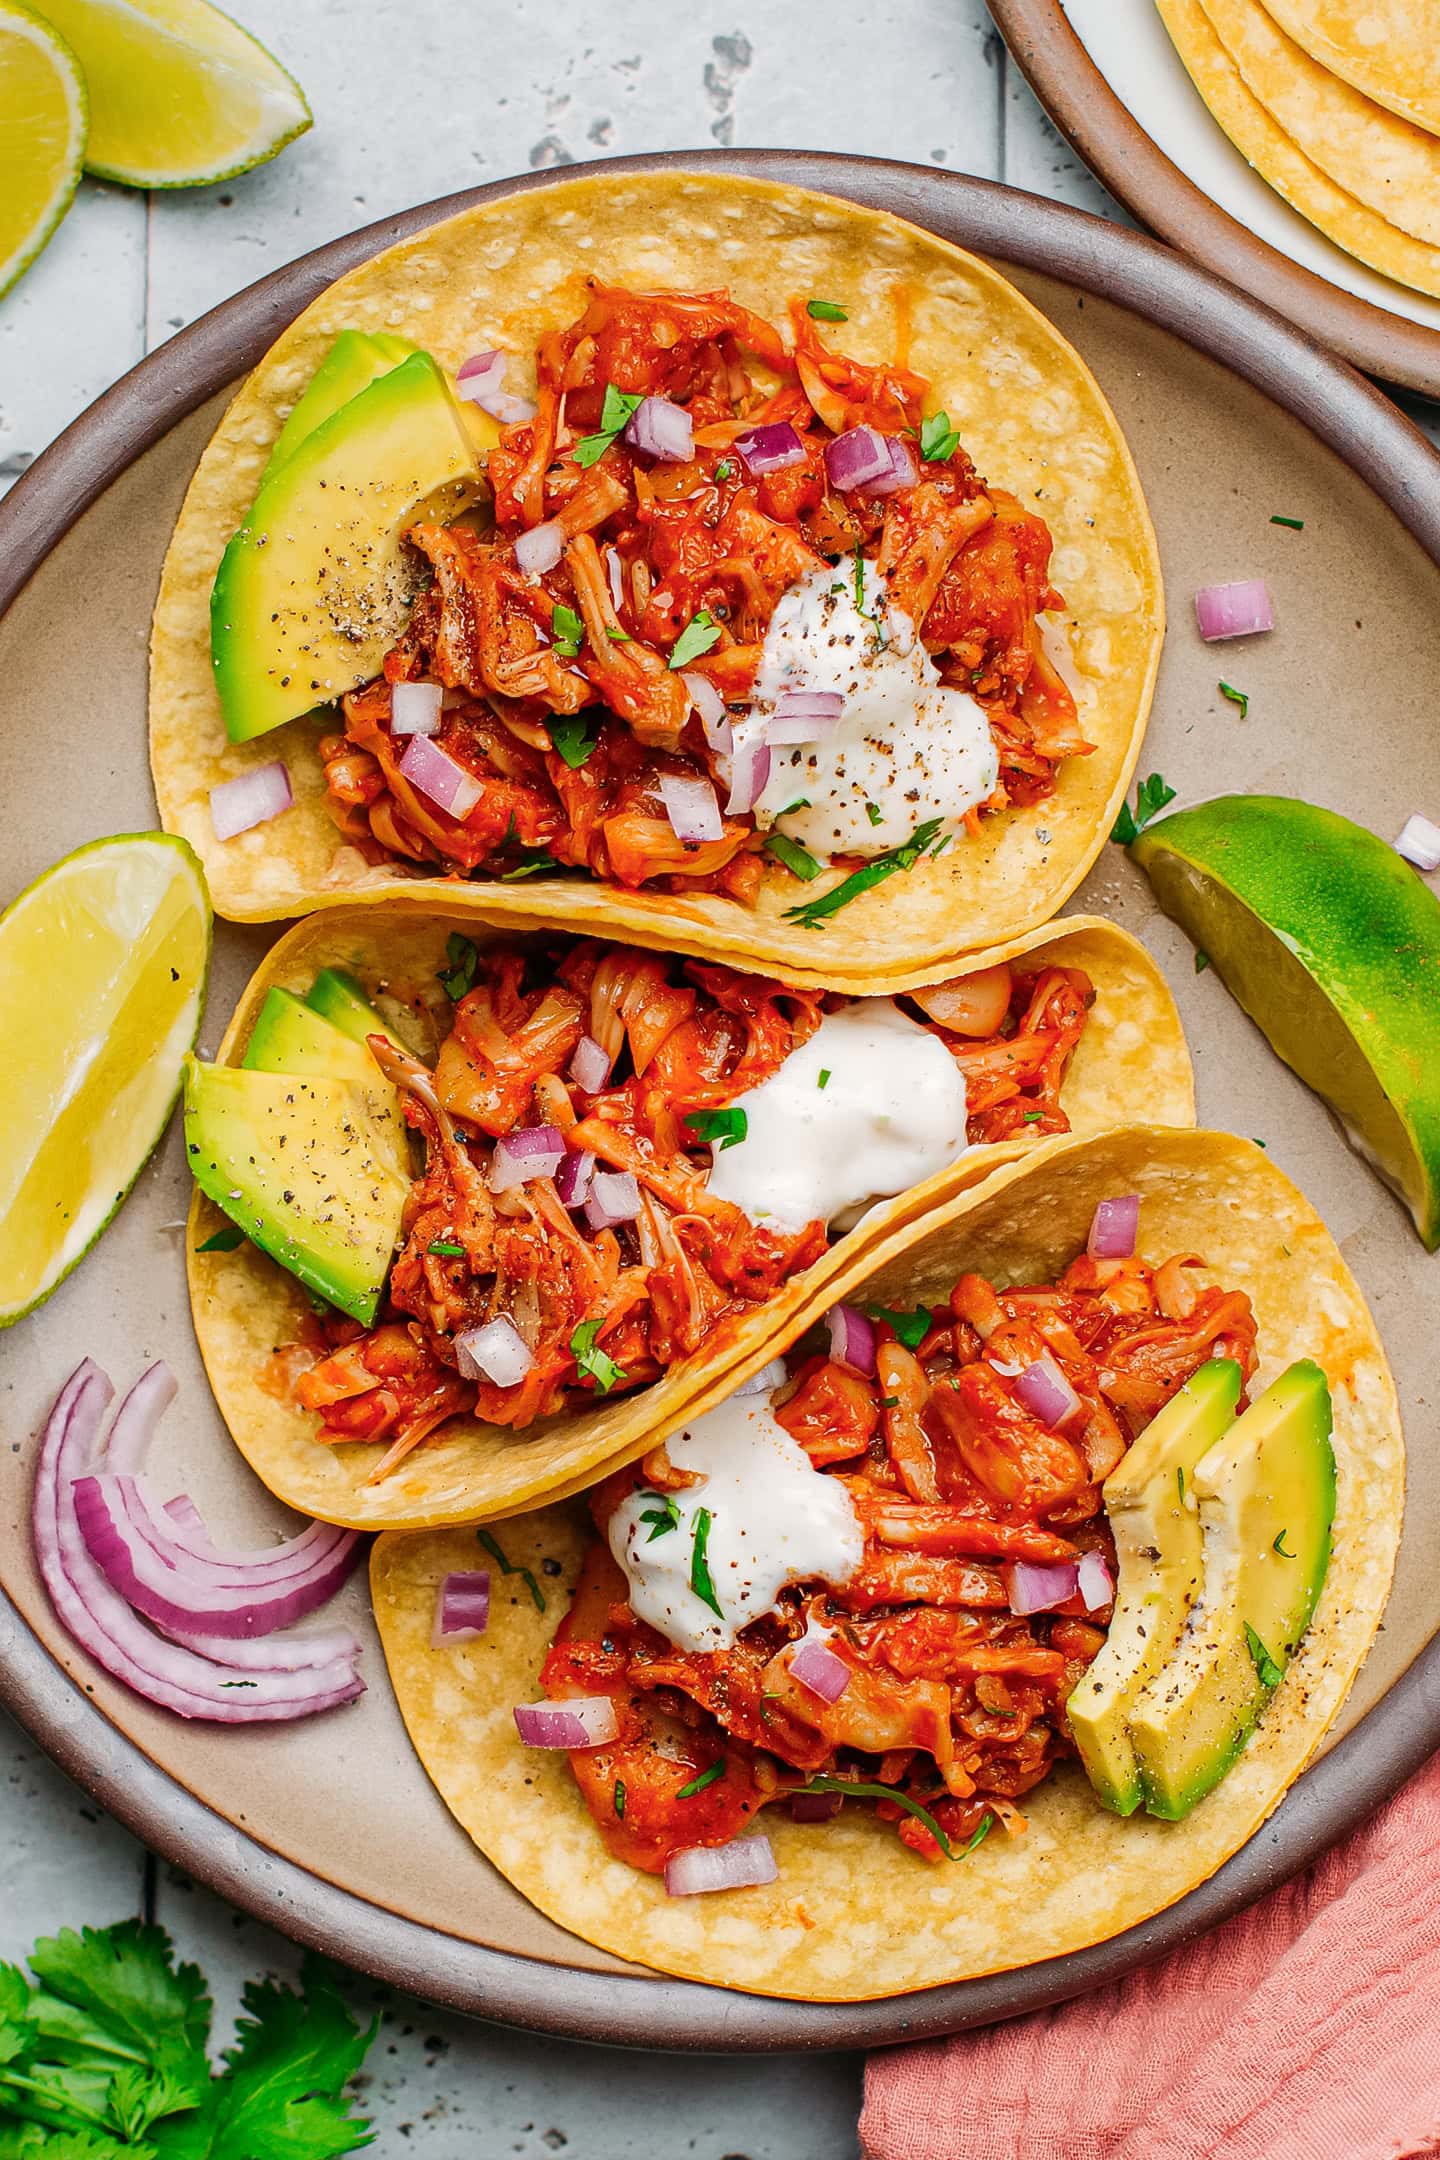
{"x": 1305, "y": 2029}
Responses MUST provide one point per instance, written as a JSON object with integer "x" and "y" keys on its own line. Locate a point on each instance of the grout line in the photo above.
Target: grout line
{"x": 1002, "y": 85}
{"x": 145, "y": 282}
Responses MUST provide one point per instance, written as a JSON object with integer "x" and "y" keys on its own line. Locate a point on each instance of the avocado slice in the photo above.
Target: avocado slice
{"x": 353, "y": 362}
{"x": 339, "y": 998}
{"x": 1266, "y": 1494}
{"x": 317, "y": 583}
{"x": 302, "y": 1166}
{"x": 1150, "y": 1500}
{"x": 288, "y": 1037}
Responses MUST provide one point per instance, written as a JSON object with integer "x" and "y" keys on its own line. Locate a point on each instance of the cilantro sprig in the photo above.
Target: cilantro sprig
{"x": 910, "y": 1327}
{"x": 492, "y": 1545}
{"x": 573, "y": 736}
{"x": 861, "y": 1789}
{"x": 938, "y": 440}
{"x": 567, "y": 632}
{"x": 699, "y": 634}
{"x": 1267, "y": 1671}
{"x": 1151, "y": 797}
{"x": 797, "y": 859}
{"x": 595, "y": 1363}
{"x": 665, "y": 1515}
{"x": 721, "y": 1128}
{"x": 811, "y": 913}
{"x": 701, "y": 1581}
{"x": 104, "y": 2053}
{"x": 614, "y": 419}
{"x": 459, "y": 976}
{"x": 825, "y": 311}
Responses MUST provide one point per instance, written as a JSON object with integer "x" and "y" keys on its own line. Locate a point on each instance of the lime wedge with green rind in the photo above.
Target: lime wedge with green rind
{"x": 1331, "y": 943}
{"x": 179, "y": 94}
{"x": 42, "y": 136}
{"x": 102, "y": 983}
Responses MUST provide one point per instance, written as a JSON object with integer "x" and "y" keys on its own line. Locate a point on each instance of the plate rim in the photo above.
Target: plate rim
{"x": 649, "y": 2010}
{"x": 1103, "y": 131}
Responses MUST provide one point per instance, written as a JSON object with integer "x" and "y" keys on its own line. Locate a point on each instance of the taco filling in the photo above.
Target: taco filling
{"x": 881, "y": 1580}
{"x": 624, "y": 1152}
{"x": 742, "y": 599}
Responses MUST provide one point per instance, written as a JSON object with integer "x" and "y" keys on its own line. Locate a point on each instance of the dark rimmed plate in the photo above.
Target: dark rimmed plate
{"x": 330, "y": 1831}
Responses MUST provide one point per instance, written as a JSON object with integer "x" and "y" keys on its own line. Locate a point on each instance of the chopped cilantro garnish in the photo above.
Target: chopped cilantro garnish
{"x": 797, "y": 859}
{"x": 533, "y": 861}
{"x": 722, "y": 1128}
{"x": 825, "y": 311}
{"x": 1180, "y": 1481}
{"x": 620, "y": 1799}
{"x": 889, "y": 1402}
{"x": 874, "y": 812}
{"x": 614, "y": 416}
{"x": 1150, "y": 797}
{"x": 445, "y": 1250}
{"x": 700, "y": 633}
{"x": 1256, "y": 1141}
{"x": 706, "y": 1777}
{"x": 595, "y": 1363}
{"x": 1279, "y": 1545}
{"x": 566, "y": 631}
{"x": 811, "y": 913}
{"x": 1031, "y": 1117}
{"x": 1268, "y": 1672}
{"x": 870, "y": 615}
{"x": 224, "y": 1240}
{"x": 824, "y": 1079}
{"x": 1236, "y": 697}
{"x": 700, "y": 1581}
{"x": 572, "y": 736}
{"x": 910, "y": 1328}
{"x": 665, "y": 1515}
{"x": 618, "y": 637}
{"x": 464, "y": 958}
{"x": 507, "y": 1567}
{"x": 855, "y": 1789}
{"x": 987, "y": 1822}
{"x": 938, "y": 440}
{"x": 725, "y": 468}
{"x": 1202, "y": 960}
{"x": 1295, "y": 524}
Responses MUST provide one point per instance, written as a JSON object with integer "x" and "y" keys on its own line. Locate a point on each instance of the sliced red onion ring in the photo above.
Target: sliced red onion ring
{"x": 480, "y": 379}
{"x": 749, "y": 772}
{"x": 590, "y": 1065}
{"x": 1094, "y": 1581}
{"x": 769, "y": 1376}
{"x": 857, "y": 459}
{"x": 415, "y": 708}
{"x": 540, "y": 549}
{"x": 614, "y": 1198}
{"x": 714, "y": 719}
{"x": 745, "y": 1861}
{"x": 852, "y": 1338}
{"x": 770, "y": 448}
{"x": 432, "y": 772}
{"x": 133, "y": 1428}
{"x": 462, "y": 1608}
{"x": 584, "y": 1721}
{"x": 1038, "y": 1586}
{"x": 1046, "y": 1393}
{"x": 902, "y": 473}
{"x": 1240, "y": 609}
{"x": 1114, "y": 1228}
{"x": 496, "y": 1352}
{"x": 252, "y": 798}
{"x": 691, "y": 807}
{"x": 572, "y": 1179}
{"x": 267, "y": 1563}
{"x": 818, "y": 1669}
{"x": 531, "y": 1151}
{"x": 1419, "y": 842}
{"x": 815, "y": 1806}
{"x": 803, "y": 716}
{"x": 661, "y": 430}
{"x": 306, "y": 1650}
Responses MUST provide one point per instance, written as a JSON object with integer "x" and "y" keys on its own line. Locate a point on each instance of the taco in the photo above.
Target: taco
{"x": 795, "y": 1703}
{"x": 793, "y": 592}
{"x": 627, "y": 1168}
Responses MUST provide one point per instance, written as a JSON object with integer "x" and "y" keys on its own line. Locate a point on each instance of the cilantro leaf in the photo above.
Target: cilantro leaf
{"x": 572, "y": 736}
{"x": 1278, "y": 1545}
{"x": 1202, "y": 960}
{"x": 725, "y": 470}
{"x": 700, "y": 1579}
{"x": 1295, "y": 524}
{"x": 533, "y": 863}
{"x": 1151, "y": 797}
{"x": 823, "y": 1080}
{"x": 700, "y": 633}
{"x": 567, "y": 631}
{"x": 811, "y": 913}
{"x": 137, "y": 2003}
{"x": 491, "y": 1543}
{"x": 464, "y": 958}
{"x": 446, "y": 1249}
{"x": 224, "y": 1240}
{"x": 797, "y": 859}
{"x": 665, "y": 1515}
{"x": 706, "y": 1777}
{"x": 1267, "y": 1671}
{"x": 595, "y": 1363}
{"x": 1236, "y": 697}
{"x": 874, "y": 812}
{"x": 614, "y": 418}
{"x": 722, "y": 1128}
{"x": 825, "y": 311}
{"x": 938, "y": 440}
{"x": 910, "y": 1328}
{"x": 619, "y": 1799}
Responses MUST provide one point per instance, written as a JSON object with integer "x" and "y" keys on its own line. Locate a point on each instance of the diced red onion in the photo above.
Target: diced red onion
{"x": 661, "y": 430}
{"x": 614, "y": 1198}
{"x": 572, "y": 1179}
{"x": 770, "y": 448}
{"x": 432, "y": 772}
{"x": 590, "y": 1065}
{"x": 1114, "y": 1228}
{"x": 852, "y": 1338}
{"x": 531, "y": 1151}
{"x": 1046, "y": 1393}
{"x": 415, "y": 708}
{"x": 1038, "y": 1586}
{"x": 540, "y": 549}
{"x": 744, "y": 1862}
{"x": 252, "y": 798}
{"x": 583, "y": 1721}
{"x": 815, "y": 1806}
{"x": 769, "y": 1376}
{"x": 857, "y": 459}
{"x": 1419, "y": 842}
{"x": 615, "y": 571}
{"x": 711, "y": 707}
{"x": 691, "y": 807}
{"x": 749, "y": 772}
{"x": 462, "y": 1608}
{"x": 1240, "y": 609}
{"x": 902, "y": 473}
{"x": 1094, "y": 1581}
{"x": 496, "y": 1352}
{"x": 818, "y": 1669}
{"x": 480, "y": 380}
{"x": 803, "y": 716}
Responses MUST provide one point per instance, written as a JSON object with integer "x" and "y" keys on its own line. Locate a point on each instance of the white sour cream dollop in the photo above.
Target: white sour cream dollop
{"x": 773, "y": 1519}
{"x": 905, "y": 749}
{"x": 890, "y": 1114}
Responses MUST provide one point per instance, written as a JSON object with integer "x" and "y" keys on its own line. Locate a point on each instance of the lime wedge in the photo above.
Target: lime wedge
{"x": 42, "y": 136}
{"x": 179, "y": 94}
{"x": 102, "y": 982}
{"x": 1331, "y": 943}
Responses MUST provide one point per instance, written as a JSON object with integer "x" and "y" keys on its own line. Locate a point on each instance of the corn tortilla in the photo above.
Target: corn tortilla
{"x": 1389, "y": 49}
{"x": 1026, "y": 407}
